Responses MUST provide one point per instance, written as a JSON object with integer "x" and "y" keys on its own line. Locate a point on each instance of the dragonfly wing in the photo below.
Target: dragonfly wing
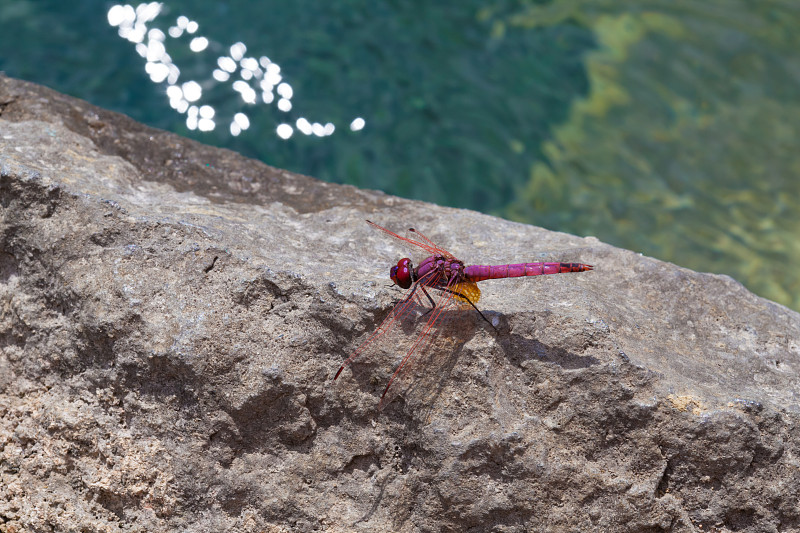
{"x": 422, "y": 339}
{"x": 416, "y": 333}
{"x": 419, "y": 237}
{"x": 397, "y": 316}
{"x": 415, "y": 241}
{"x": 466, "y": 292}
{"x": 428, "y": 360}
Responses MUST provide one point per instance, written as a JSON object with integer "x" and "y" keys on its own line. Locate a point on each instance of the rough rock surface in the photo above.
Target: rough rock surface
{"x": 171, "y": 317}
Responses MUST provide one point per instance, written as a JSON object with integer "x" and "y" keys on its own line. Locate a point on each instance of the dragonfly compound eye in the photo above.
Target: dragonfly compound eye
{"x": 402, "y": 273}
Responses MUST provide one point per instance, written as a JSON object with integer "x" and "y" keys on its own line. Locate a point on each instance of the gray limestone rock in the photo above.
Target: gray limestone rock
{"x": 172, "y": 316}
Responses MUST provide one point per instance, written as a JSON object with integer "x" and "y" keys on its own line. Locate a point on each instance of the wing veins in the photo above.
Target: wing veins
{"x": 444, "y": 303}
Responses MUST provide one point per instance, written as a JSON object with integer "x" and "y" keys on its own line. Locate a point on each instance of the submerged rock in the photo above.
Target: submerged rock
{"x": 173, "y": 315}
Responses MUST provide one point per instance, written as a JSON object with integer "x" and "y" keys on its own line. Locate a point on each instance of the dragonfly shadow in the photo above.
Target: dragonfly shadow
{"x": 518, "y": 349}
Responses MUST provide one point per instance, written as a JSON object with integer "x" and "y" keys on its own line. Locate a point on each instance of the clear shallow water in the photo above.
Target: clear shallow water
{"x": 667, "y": 128}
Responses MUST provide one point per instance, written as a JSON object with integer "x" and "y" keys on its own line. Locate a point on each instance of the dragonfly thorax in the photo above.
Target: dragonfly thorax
{"x": 439, "y": 271}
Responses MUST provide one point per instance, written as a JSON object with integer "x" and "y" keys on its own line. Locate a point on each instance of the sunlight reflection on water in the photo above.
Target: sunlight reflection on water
{"x": 257, "y": 77}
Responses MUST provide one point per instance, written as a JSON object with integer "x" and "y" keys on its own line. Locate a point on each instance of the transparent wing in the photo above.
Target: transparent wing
{"x": 415, "y": 333}
{"x": 415, "y": 240}
{"x": 422, "y": 341}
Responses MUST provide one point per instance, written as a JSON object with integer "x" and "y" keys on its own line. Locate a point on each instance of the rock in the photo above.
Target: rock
{"x": 173, "y": 315}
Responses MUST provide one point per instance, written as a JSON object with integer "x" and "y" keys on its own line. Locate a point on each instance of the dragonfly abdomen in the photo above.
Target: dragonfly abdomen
{"x": 481, "y": 272}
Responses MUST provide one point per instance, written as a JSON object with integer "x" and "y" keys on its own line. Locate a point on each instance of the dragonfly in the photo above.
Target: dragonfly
{"x": 442, "y": 282}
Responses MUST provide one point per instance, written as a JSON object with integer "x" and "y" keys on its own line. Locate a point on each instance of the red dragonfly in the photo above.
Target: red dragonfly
{"x": 452, "y": 283}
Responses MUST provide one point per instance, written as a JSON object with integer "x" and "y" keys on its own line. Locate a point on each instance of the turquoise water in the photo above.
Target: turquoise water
{"x": 667, "y": 128}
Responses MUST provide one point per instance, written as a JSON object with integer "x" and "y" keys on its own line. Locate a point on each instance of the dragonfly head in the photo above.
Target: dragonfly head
{"x": 403, "y": 273}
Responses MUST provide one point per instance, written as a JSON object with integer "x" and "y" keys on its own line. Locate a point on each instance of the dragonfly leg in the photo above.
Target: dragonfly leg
{"x": 466, "y": 299}
{"x": 456, "y": 293}
{"x": 433, "y": 304}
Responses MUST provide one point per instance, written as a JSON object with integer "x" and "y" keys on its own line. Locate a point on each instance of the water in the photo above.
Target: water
{"x": 667, "y": 128}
